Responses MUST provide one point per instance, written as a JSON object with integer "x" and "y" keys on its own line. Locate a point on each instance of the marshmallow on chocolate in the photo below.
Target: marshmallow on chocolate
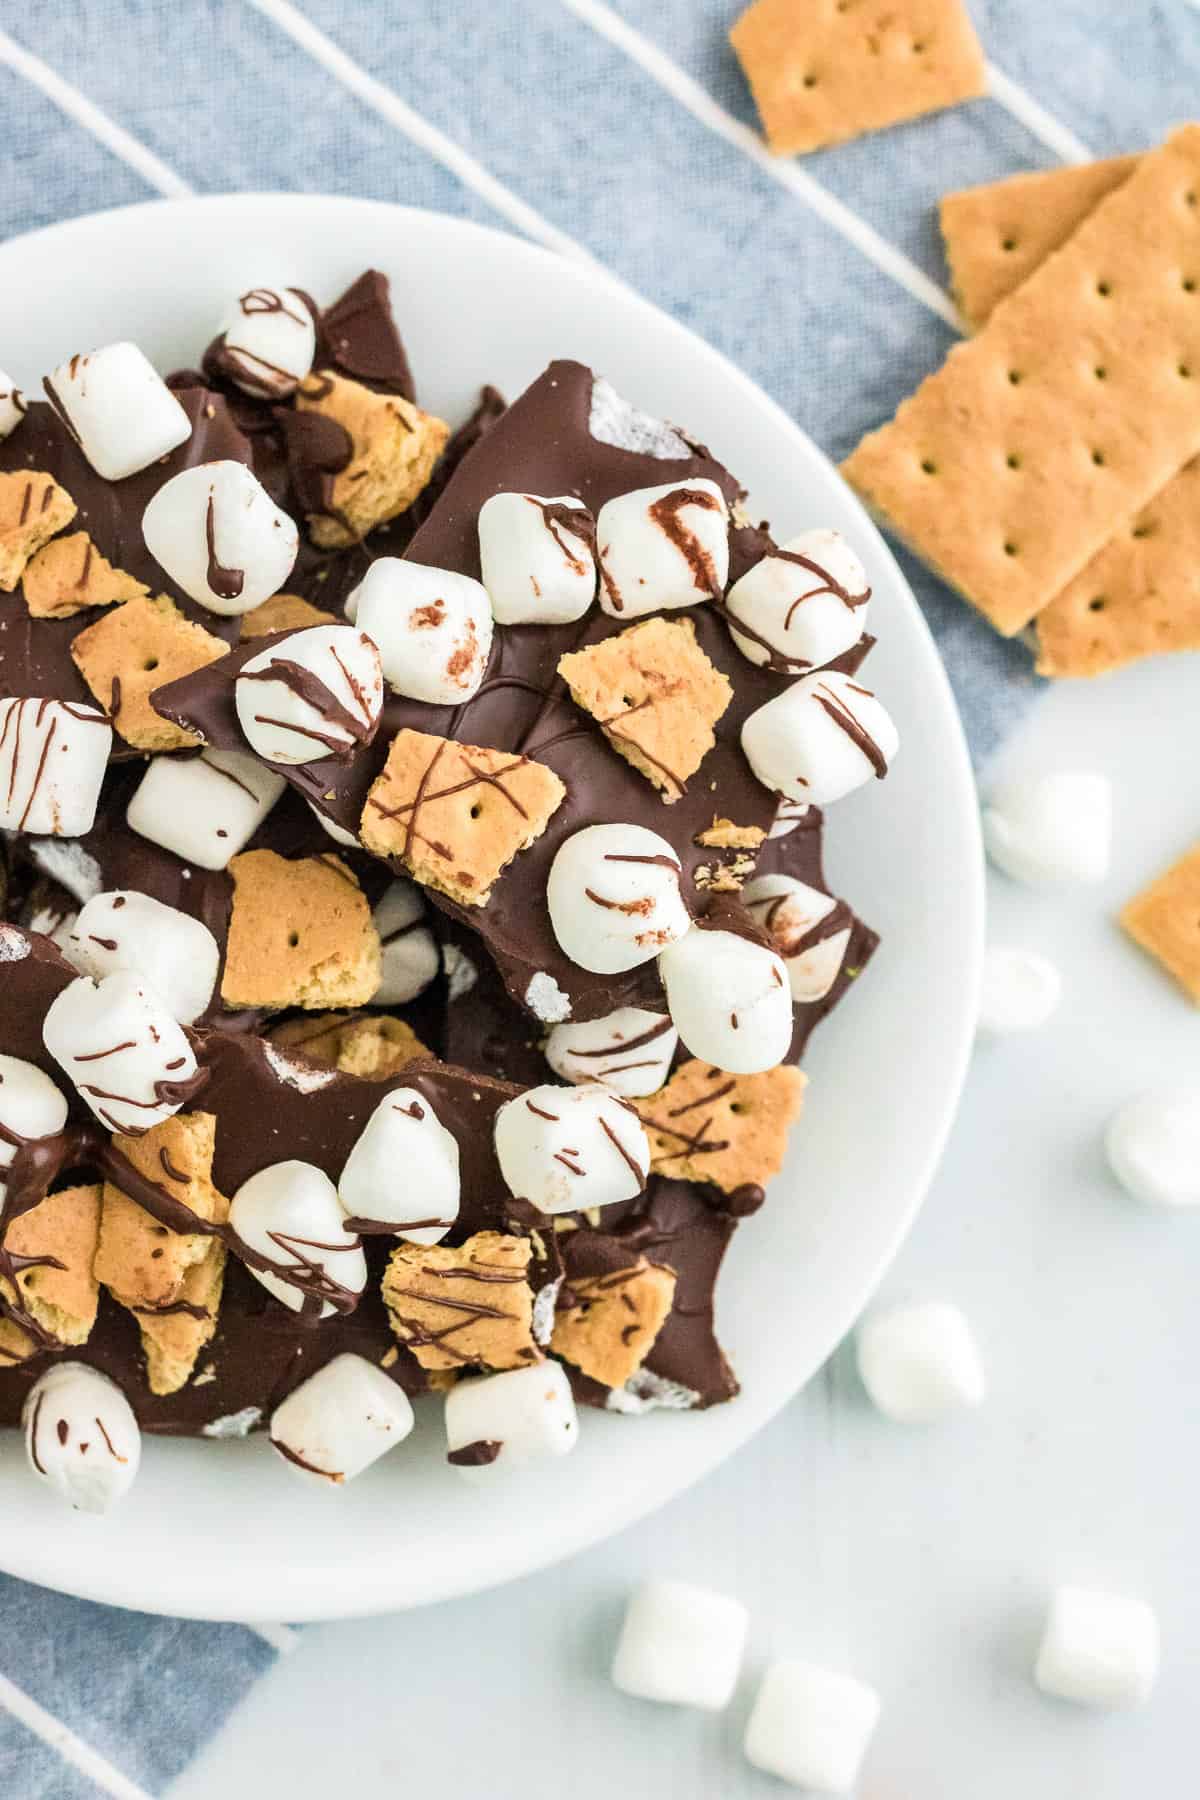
{"x": 615, "y": 897}
{"x": 12, "y": 406}
{"x": 340, "y": 1421}
{"x": 118, "y": 408}
{"x": 402, "y": 1175}
{"x": 267, "y": 342}
{"x": 516, "y": 1417}
{"x": 53, "y": 754}
{"x": 81, "y": 1437}
{"x": 408, "y": 954}
{"x": 129, "y": 1058}
{"x": 663, "y": 547}
{"x": 788, "y": 815}
{"x": 809, "y": 929}
{"x": 567, "y": 1149}
{"x": 204, "y": 808}
{"x": 537, "y": 558}
{"x": 31, "y": 1106}
{"x": 628, "y": 1051}
{"x": 433, "y": 629}
{"x": 288, "y": 1214}
{"x": 729, "y": 1000}
{"x": 820, "y": 739}
{"x": 220, "y": 537}
{"x": 176, "y": 954}
{"x": 312, "y": 694}
{"x": 802, "y": 605}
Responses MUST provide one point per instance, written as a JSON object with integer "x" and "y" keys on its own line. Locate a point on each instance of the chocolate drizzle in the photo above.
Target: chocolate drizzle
{"x": 306, "y": 685}
{"x": 853, "y": 727}
{"x": 227, "y": 584}
{"x": 476, "y": 1455}
{"x": 666, "y": 512}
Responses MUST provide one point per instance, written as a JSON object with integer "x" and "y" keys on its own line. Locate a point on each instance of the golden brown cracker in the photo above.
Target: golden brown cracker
{"x": 33, "y": 509}
{"x": 282, "y": 612}
{"x": 371, "y": 1045}
{"x": 300, "y": 934}
{"x": 723, "y": 834}
{"x": 61, "y": 1293}
{"x": 731, "y": 1130}
{"x": 1165, "y": 920}
{"x": 142, "y": 1262}
{"x": 469, "y": 1305}
{"x": 610, "y": 1322}
{"x": 69, "y": 574}
{"x": 135, "y": 649}
{"x": 173, "y": 1336}
{"x": 395, "y": 447}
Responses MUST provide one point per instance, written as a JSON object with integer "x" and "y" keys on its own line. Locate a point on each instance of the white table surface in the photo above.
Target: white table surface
{"x": 918, "y": 1559}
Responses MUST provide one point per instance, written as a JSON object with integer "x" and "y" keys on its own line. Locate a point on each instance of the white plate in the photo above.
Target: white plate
{"x": 220, "y": 1531}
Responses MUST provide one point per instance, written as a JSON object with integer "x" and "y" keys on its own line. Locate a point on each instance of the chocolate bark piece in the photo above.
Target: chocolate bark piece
{"x": 357, "y": 336}
{"x": 32, "y": 974}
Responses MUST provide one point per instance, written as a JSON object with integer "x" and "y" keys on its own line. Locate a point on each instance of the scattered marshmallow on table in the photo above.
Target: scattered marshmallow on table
{"x": 662, "y": 547}
{"x": 629, "y": 1051}
{"x": 177, "y": 955}
{"x": 433, "y": 629}
{"x": 920, "y": 1363}
{"x": 569, "y": 1148}
{"x": 819, "y": 739}
{"x": 12, "y": 405}
{"x": 811, "y": 1726}
{"x": 1020, "y": 990}
{"x": 729, "y": 1000}
{"x": 118, "y": 408}
{"x": 128, "y": 1056}
{"x": 268, "y": 341}
{"x": 537, "y": 558}
{"x": 312, "y": 694}
{"x": 81, "y": 1437}
{"x": 1098, "y": 1649}
{"x": 403, "y": 1172}
{"x": 289, "y": 1214}
{"x": 681, "y": 1644}
{"x": 1051, "y": 828}
{"x": 1153, "y": 1147}
{"x": 53, "y": 755}
{"x": 408, "y": 954}
{"x": 801, "y": 605}
{"x": 615, "y": 898}
{"x": 204, "y": 808}
{"x": 809, "y": 929}
{"x": 220, "y": 537}
{"x": 340, "y": 1421}
{"x": 31, "y": 1106}
{"x": 505, "y": 1421}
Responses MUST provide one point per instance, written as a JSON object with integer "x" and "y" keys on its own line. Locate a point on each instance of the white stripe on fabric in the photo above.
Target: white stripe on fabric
{"x": 98, "y": 1770}
{"x": 680, "y": 85}
{"x": 280, "y": 1637}
{"x": 1037, "y": 121}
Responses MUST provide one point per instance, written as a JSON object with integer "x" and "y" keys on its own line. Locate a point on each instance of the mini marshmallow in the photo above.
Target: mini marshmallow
{"x": 629, "y": 1051}
{"x": 220, "y": 537}
{"x": 920, "y": 1363}
{"x": 811, "y": 1726}
{"x": 340, "y": 1421}
{"x": 81, "y": 1437}
{"x": 1099, "y": 1649}
{"x": 1051, "y": 828}
{"x": 682, "y": 1645}
{"x": 53, "y": 754}
{"x": 820, "y": 739}
{"x": 805, "y": 927}
{"x": 662, "y": 547}
{"x": 1020, "y": 991}
{"x": 337, "y": 832}
{"x": 787, "y": 816}
{"x": 13, "y": 405}
{"x": 118, "y": 408}
{"x": 729, "y": 1000}
{"x": 31, "y": 1106}
{"x": 1153, "y": 1146}
{"x": 615, "y": 898}
{"x": 289, "y": 1213}
{"x": 409, "y": 955}
{"x": 802, "y": 605}
{"x": 433, "y": 629}
{"x": 507, "y": 1420}
{"x": 567, "y": 1149}
{"x": 313, "y": 694}
{"x": 268, "y": 341}
{"x": 128, "y": 1057}
{"x": 403, "y": 1171}
{"x": 203, "y": 808}
{"x": 539, "y": 567}
{"x": 174, "y": 953}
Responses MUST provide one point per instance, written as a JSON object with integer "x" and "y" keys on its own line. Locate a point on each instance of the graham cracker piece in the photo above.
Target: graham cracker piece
{"x": 70, "y": 574}
{"x": 62, "y": 1300}
{"x": 140, "y": 1261}
{"x": 395, "y": 448}
{"x": 731, "y": 1130}
{"x": 610, "y": 1325}
{"x": 1165, "y": 920}
{"x": 173, "y": 1338}
{"x": 656, "y": 696}
{"x": 821, "y": 72}
{"x": 468, "y": 1305}
{"x": 723, "y": 834}
{"x": 300, "y": 934}
{"x": 1073, "y": 406}
{"x": 456, "y": 814}
{"x": 134, "y": 649}
{"x": 33, "y": 509}
{"x": 282, "y": 612}
{"x": 371, "y": 1045}
{"x": 998, "y": 234}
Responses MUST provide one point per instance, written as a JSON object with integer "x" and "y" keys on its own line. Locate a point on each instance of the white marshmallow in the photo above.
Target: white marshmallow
{"x": 537, "y": 570}
{"x": 269, "y": 339}
{"x": 53, "y": 754}
{"x": 204, "y": 808}
{"x": 122, "y": 1049}
{"x": 119, "y": 408}
{"x": 820, "y": 739}
{"x": 289, "y": 1213}
{"x": 13, "y": 405}
{"x": 566, "y": 1149}
{"x": 174, "y": 953}
{"x": 340, "y": 1421}
{"x": 1020, "y": 991}
{"x": 403, "y": 1171}
{"x": 337, "y": 832}
{"x": 613, "y": 903}
{"x": 920, "y": 1363}
{"x": 682, "y": 1645}
{"x": 517, "y": 1417}
{"x": 81, "y": 1437}
{"x": 1099, "y": 1649}
{"x": 460, "y": 972}
{"x": 788, "y": 815}
{"x": 729, "y": 999}
{"x": 31, "y": 1106}
{"x": 802, "y": 614}
{"x": 791, "y": 913}
{"x": 629, "y": 1051}
{"x": 327, "y": 711}
{"x": 662, "y": 547}
{"x": 811, "y": 1726}
{"x": 433, "y": 629}
{"x": 1051, "y": 828}
{"x": 220, "y": 537}
{"x": 409, "y": 955}
{"x": 1153, "y": 1146}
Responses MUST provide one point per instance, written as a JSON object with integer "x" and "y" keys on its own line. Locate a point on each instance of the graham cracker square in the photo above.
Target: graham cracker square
{"x": 300, "y": 934}
{"x": 282, "y": 612}
{"x": 610, "y": 1324}
{"x": 457, "y": 814}
{"x": 824, "y": 70}
{"x": 371, "y": 1045}
{"x": 33, "y": 509}
{"x": 173, "y": 1338}
{"x": 1165, "y": 920}
{"x": 143, "y": 1263}
{"x": 134, "y": 649}
{"x": 69, "y": 574}
{"x": 64, "y": 1228}
{"x": 395, "y": 446}
{"x": 731, "y": 1130}
{"x": 468, "y": 1305}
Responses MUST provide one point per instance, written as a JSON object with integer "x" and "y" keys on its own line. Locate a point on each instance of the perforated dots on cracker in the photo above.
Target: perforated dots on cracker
{"x": 300, "y": 934}
{"x": 731, "y": 1130}
{"x": 33, "y": 509}
{"x": 611, "y": 1318}
{"x": 69, "y": 574}
{"x": 471, "y": 1305}
{"x": 51, "y": 1291}
{"x": 131, "y": 651}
